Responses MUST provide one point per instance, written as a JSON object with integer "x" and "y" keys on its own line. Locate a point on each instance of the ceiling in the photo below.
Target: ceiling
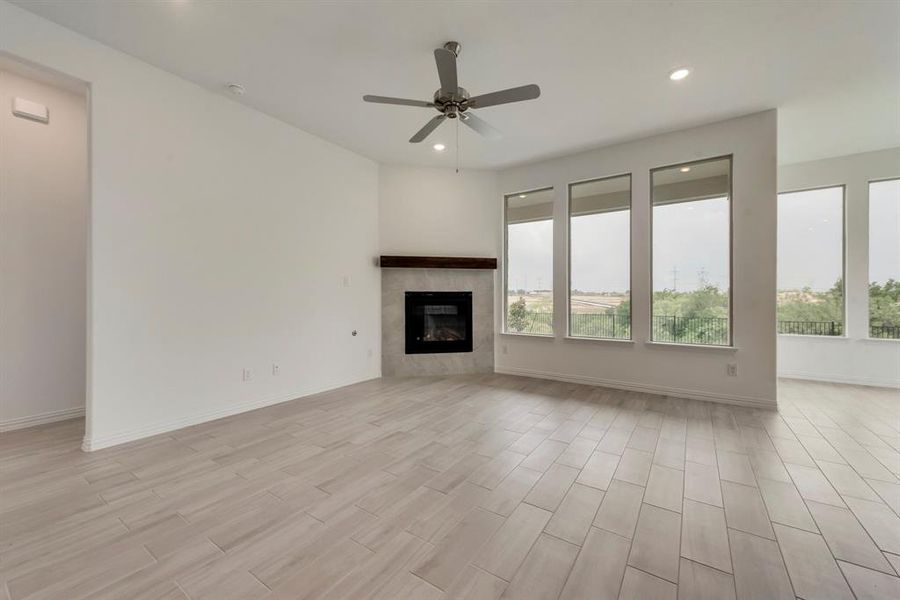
{"x": 832, "y": 68}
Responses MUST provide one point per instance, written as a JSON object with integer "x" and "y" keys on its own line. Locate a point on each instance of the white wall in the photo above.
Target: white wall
{"x": 854, "y": 358}
{"x": 695, "y": 372}
{"x": 43, "y": 252}
{"x": 428, "y": 211}
{"x": 220, "y": 239}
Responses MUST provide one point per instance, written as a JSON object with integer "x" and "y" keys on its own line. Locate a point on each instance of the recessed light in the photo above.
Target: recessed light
{"x": 439, "y": 147}
{"x": 679, "y": 74}
{"x": 685, "y": 169}
{"x": 236, "y": 89}
{"x": 522, "y": 195}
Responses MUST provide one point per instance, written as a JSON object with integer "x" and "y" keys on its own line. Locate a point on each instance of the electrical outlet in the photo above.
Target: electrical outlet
{"x": 275, "y": 369}
{"x": 247, "y": 375}
{"x": 731, "y": 369}
{"x": 370, "y": 353}
{"x": 346, "y": 281}
{"x": 504, "y": 349}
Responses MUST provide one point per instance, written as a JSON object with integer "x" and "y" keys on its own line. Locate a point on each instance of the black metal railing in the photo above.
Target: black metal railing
{"x": 885, "y": 332}
{"x": 600, "y": 325}
{"x": 811, "y": 327}
{"x": 690, "y": 330}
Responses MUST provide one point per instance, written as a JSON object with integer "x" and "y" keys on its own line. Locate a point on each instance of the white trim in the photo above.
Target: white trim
{"x": 660, "y": 390}
{"x": 41, "y": 419}
{"x": 546, "y": 336}
{"x": 587, "y": 338}
{"x": 832, "y": 378}
{"x": 97, "y": 443}
{"x": 652, "y": 344}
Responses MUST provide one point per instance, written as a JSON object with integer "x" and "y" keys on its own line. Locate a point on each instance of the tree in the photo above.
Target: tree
{"x": 808, "y": 306}
{"x": 700, "y": 315}
{"x": 623, "y": 310}
{"x": 884, "y": 304}
{"x": 517, "y": 317}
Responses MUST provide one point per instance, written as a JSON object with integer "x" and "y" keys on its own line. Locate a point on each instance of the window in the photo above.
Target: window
{"x": 529, "y": 262}
{"x": 811, "y": 262}
{"x": 600, "y": 258}
{"x": 884, "y": 259}
{"x": 691, "y": 274}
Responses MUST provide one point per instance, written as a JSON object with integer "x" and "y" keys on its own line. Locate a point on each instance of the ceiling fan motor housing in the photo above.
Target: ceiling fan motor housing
{"x": 451, "y": 104}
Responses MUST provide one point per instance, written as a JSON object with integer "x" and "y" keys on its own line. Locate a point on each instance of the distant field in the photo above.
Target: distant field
{"x": 581, "y": 303}
{"x": 595, "y": 303}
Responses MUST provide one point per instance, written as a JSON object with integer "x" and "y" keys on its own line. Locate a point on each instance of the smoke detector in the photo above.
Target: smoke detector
{"x": 236, "y": 89}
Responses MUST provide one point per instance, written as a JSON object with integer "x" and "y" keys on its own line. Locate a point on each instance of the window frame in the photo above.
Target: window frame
{"x": 731, "y": 336}
{"x": 844, "y": 324}
{"x": 868, "y": 335}
{"x": 569, "y": 187}
{"x": 504, "y": 329}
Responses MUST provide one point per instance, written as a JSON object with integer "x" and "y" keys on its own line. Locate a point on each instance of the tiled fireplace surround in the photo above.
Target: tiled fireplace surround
{"x": 395, "y": 282}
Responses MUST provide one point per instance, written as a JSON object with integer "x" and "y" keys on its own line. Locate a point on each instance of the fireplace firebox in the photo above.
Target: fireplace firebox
{"x": 438, "y": 322}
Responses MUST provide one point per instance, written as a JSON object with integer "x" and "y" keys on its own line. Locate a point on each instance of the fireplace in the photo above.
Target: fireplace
{"x": 438, "y": 322}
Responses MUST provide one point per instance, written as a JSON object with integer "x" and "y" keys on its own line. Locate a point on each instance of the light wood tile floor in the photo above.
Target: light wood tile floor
{"x": 476, "y": 487}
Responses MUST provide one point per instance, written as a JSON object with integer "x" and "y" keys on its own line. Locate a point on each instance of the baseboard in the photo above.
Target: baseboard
{"x": 41, "y": 419}
{"x": 660, "y": 390}
{"x": 832, "y": 378}
{"x": 131, "y": 435}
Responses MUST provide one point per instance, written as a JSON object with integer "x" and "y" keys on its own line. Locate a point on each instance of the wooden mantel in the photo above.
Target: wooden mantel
{"x": 437, "y": 262}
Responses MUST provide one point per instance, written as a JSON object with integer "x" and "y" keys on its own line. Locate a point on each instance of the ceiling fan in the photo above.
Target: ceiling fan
{"x": 452, "y": 101}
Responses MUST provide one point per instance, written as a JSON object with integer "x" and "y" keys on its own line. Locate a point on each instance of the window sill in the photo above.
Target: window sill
{"x": 806, "y": 336}
{"x": 845, "y": 338}
{"x": 692, "y": 346}
{"x": 582, "y": 338}
{"x": 546, "y": 336}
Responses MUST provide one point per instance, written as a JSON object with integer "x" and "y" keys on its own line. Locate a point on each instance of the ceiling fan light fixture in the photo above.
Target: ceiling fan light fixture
{"x": 439, "y": 147}
{"x": 679, "y": 73}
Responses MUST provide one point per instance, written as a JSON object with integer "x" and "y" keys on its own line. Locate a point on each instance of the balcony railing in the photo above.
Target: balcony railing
{"x": 600, "y": 325}
{"x": 711, "y": 331}
{"x": 885, "y": 332}
{"x": 811, "y": 327}
{"x": 684, "y": 330}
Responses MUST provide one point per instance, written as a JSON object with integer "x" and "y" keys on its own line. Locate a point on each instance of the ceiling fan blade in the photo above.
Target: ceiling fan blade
{"x": 480, "y": 125}
{"x": 400, "y": 101}
{"x": 426, "y": 131}
{"x": 516, "y": 94}
{"x": 446, "y": 66}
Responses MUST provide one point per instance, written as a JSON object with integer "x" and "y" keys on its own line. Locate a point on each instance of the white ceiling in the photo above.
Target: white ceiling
{"x": 832, "y": 68}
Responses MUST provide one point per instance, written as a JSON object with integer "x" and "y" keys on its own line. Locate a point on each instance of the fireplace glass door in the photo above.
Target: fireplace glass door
{"x": 438, "y": 322}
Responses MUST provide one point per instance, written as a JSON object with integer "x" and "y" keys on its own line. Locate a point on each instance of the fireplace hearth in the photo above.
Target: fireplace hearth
{"x": 438, "y": 322}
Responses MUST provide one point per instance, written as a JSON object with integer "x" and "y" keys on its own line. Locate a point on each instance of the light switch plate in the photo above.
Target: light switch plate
{"x": 28, "y": 109}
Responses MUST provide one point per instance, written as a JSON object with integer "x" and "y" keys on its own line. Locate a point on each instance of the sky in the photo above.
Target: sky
{"x": 810, "y": 239}
{"x": 884, "y": 231}
{"x": 601, "y": 254}
{"x": 810, "y": 236}
{"x": 690, "y": 245}
{"x": 691, "y": 242}
{"x": 530, "y": 255}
